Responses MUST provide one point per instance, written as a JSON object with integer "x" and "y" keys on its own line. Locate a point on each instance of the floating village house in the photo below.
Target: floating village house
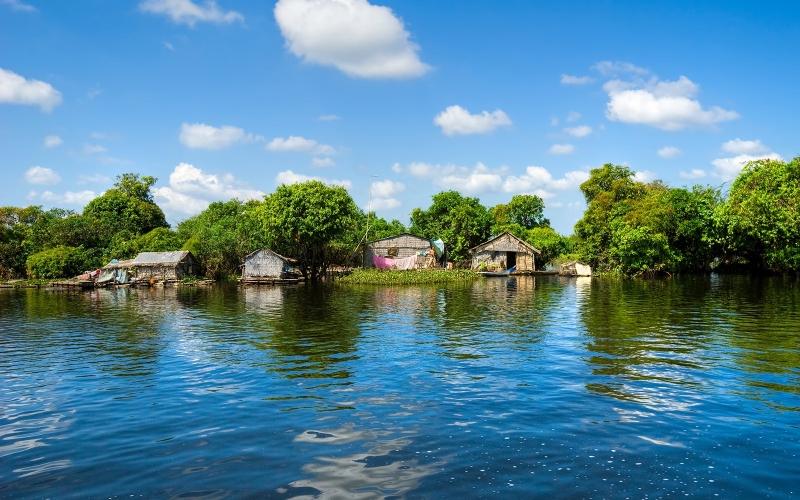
{"x": 505, "y": 251}
{"x": 264, "y": 263}
{"x": 162, "y": 266}
{"x": 409, "y": 251}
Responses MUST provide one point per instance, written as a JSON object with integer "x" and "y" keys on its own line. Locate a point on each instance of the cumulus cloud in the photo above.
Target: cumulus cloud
{"x": 662, "y": 104}
{"x": 645, "y": 176}
{"x": 288, "y": 178}
{"x": 471, "y": 180}
{"x": 52, "y": 141}
{"x": 15, "y": 89}
{"x": 41, "y": 175}
{"x": 328, "y": 118}
{"x": 384, "y": 192}
{"x": 538, "y": 180}
{"x": 738, "y": 146}
{"x": 322, "y": 162}
{"x": 297, "y": 143}
{"x": 359, "y": 39}
{"x": 575, "y": 80}
{"x": 694, "y": 174}
{"x": 18, "y": 5}
{"x": 190, "y": 13}
{"x": 481, "y": 179}
{"x": 668, "y": 152}
{"x": 579, "y": 131}
{"x": 455, "y": 120}
{"x": 561, "y": 149}
{"x": 191, "y": 190}
{"x": 78, "y": 198}
{"x": 202, "y": 136}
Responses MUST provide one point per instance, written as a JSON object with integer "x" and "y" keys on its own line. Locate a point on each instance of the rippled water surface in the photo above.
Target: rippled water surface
{"x": 545, "y": 387}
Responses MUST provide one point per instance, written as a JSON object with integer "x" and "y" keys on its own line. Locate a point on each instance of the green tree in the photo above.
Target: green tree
{"x": 547, "y": 240}
{"x": 221, "y": 235}
{"x": 306, "y": 220}
{"x": 58, "y": 262}
{"x": 460, "y": 221}
{"x": 760, "y": 221}
{"x": 127, "y": 207}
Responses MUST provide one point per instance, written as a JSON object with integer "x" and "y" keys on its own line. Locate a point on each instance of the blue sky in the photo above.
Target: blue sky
{"x": 230, "y": 98}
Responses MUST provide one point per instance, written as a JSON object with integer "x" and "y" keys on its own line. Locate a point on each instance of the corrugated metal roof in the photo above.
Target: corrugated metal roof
{"x": 504, "y": 233}
{"x": 156, "y": 258}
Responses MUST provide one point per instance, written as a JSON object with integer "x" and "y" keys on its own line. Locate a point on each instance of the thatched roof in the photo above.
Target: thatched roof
{"x": 515, "y": 239}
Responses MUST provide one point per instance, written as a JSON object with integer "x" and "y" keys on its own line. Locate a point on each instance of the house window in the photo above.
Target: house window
{"x": 392, "y": 252}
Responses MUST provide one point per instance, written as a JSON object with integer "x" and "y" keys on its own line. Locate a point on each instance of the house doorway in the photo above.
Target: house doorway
{"x": 511, "y": 259}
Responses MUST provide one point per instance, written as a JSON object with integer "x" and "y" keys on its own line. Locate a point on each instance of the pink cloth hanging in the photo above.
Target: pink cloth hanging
{"x": 382, "y": 262}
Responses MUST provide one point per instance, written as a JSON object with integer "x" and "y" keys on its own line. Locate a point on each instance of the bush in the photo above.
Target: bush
{"x": 58, "y": 262}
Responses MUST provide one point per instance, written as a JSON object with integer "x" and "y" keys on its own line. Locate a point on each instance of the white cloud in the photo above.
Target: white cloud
{"x": 288, "y": 177}
{"x": 67, "y": 198}
{"x": 668, "y": 152}
{"x": 359, "y": 39}
{"x": 52, "y": 141}
{"x": 15, "y": 89}
{"x": 188, "y": 12}
{"x": 579, "y": 131}
{"x": 738, "y": 146}
{"x": 474, "y": 180}
{"x": 103, "y": 135}
{"x": 554, "y": 122}
{"x": 573, "y": 116}
{"x": 661, "y": 104}
{"x": 202, "y": 136}
{"x": 88, "y": 149}
{"x": 562, "y": 149}
{"x": 575, "y": 80}
{"x": 539, "y": 180}
{"x": 645, "y": 176}
{"x": 169, "y": 46}
{"x": 728, "y": 169}
{"x": 94, "y": 92}
{"x": 455, "y": 120}
{"x": 384, "y": 192}
{"x": 93, "y": 179}
{"x": 617, "y": 67}
{"x": 191, "y": 190}
{"x": 41, "y": 175}
{"x": 328, "y": 118}
{"x": 322, "y": 162}
{"x": 296, "y": 143}
{"x": 694, "y": 174}
{"x": 18, "y": 5}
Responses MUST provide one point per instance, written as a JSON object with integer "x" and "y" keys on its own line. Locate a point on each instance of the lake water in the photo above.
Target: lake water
{"x": 527, "y": 387}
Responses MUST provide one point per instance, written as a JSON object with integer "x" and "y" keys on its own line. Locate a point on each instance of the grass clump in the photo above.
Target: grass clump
{"x": 414, "y": 277}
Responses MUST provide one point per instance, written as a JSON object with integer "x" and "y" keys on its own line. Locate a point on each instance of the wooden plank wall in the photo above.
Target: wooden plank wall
{"x": 263, "y": 264}
{"x": 406, "y": 247}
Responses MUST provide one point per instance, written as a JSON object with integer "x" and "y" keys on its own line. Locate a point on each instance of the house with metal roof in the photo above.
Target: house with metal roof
{"x": 162, "y": 266}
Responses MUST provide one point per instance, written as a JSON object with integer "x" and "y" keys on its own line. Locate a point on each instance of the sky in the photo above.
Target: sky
{"x": 395, "y": 101}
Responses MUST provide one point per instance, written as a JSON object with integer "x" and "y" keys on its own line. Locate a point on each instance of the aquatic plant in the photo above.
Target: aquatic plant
{"x": 413, "y": 277}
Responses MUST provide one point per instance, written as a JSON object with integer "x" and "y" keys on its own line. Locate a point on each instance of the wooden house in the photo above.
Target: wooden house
{"x": 401, "y": 246}
{"x": 264, "y": 263}
{"x": 505, "y": 251}
{"x": 163, "y": 266}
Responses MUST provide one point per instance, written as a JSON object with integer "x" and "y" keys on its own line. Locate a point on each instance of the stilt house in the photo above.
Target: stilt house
{"x": 264, "y": 263}
{"x": 402, "y": 246}
{"x": 164, "y": 266}
{"x": 505, "y": 251}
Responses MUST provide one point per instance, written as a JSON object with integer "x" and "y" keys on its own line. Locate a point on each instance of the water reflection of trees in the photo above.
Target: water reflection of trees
{"x": 644, "y": 334}
{"x": 650, "y": 339}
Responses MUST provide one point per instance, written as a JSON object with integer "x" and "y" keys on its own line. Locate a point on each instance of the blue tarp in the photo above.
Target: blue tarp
{"x": 438, "y": 247}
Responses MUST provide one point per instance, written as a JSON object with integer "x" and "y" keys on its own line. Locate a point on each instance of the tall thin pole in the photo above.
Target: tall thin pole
{"x": 369, "y": 206}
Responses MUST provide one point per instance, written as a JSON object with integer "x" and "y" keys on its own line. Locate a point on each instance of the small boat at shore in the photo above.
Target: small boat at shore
{"x": 492, "y": 274}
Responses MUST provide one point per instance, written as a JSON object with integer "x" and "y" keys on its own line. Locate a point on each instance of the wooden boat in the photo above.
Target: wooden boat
{"x": 492, "y": 274}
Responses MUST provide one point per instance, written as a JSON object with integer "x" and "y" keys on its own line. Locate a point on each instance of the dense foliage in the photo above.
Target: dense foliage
{"x": 628, "y": 227}
{"x": 56, "y": 262}
{"x": 306, "y": 221}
